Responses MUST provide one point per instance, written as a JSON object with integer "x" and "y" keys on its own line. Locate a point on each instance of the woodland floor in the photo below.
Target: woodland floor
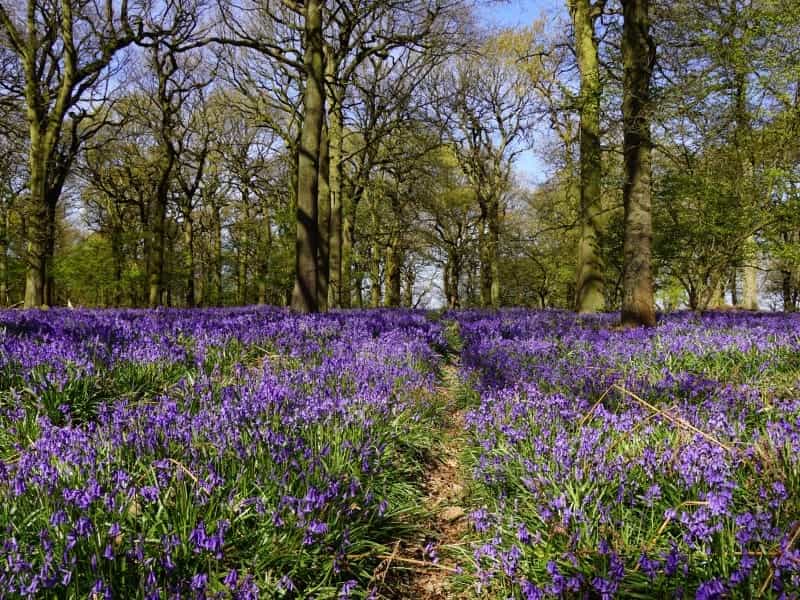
{"x": 411, "y": 571}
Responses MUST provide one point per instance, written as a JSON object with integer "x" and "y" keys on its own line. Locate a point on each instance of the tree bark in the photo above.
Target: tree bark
{"x": 494, "y": 252}
{"x": 217, "y": 243}
{"x": 750, "y": 276}
{"x": 349, "y": 206}
{"x": 158, "y": 219}
{"x": 337, "y": 290}
{"x": 4, "y": 229}
{"x": 408, "y": 288}
{"x": 36, "y": 221}
{"x": 304, "y": 294}
{"x": 394, "y": 263}
{"x": 188, "y": 241}
{"x": 323, "y": 222}
{"x": 590, "y": 288}
{"x": 244, "y": 250}
{"x": 484, "y": 254}
{"x": 638, "y": 57}
{"x": 375, "y": 265}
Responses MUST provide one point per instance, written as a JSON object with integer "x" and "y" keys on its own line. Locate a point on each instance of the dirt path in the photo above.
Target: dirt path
{"x": 415, "y": 571}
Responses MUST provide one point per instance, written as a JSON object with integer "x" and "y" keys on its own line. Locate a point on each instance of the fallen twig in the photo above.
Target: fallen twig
{"x": 676, "y": 420}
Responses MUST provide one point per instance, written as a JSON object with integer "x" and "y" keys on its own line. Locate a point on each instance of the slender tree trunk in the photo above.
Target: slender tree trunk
{"x": 638, "y": 56}
{"x": 50, "y": 246}
{"x": 484, "y": 254}
{"x": 264, "y": 258}
{"x": 734, "y": 290}
{"x": 349, "y": 206}
{"x": 591, "y": 278}
{"x": 244, "y": 250}
{"x": 323, "y": 222}
{"x": 408, "y": 288}
{"x": 446, "y": 282}
{"x": 119, "y": 259}
{"x": 375, "y": 265}
{"x": 336, "y": 291}
{"x": 454, "y": 274}
{"x": 494, "y": 252}
{"x": 217, "y": 268}
{"x": 4, "y": 228}
{"x": 788, "y": 297}
{"x": 188, "y": 241}
{"x": 304, "y": 294}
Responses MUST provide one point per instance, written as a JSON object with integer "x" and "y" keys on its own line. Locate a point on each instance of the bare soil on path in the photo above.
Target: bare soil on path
{"x": 412, "y": 571}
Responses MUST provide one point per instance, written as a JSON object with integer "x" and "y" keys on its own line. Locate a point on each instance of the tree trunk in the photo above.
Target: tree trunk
{"x": 304, "y": 294}
{"x": 188, "y": 241}
{"x": 734, "y": 290}
{"x": 494, "y": 252}
{"x": 750, "y": 273}
{"x": 4, "y": 228}
{"x": 408, "y": 288}
{"x": 638, "y": 56}
{"x": 453, "y": 272}
{"x": 375, "y": 265}
{"x": 349, "y": 206}
{"x": 788, "y": 296}
{"x": 591, "y": 279}
{"x": 394, "y": 263}
{"x": 36, "y": 223}
{"x": 244, "y": 250}
{"x": 264, "y": 257}
{"x": 50, "y": 246}
{"x": 158, "y": 222}
{"x": 336, "y": 291}
{"x": 484, "y": 254}
{"x": 119, "y": 260}
{"x": 217, "y": 269}
{"x": 323, "y": 221}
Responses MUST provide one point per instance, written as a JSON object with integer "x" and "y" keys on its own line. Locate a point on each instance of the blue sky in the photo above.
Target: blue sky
{"x": 518, "y": 12}
{"x": 511, "y": 13}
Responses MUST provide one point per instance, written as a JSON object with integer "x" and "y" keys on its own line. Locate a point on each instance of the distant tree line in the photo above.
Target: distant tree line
{"x": 334, "y": 154}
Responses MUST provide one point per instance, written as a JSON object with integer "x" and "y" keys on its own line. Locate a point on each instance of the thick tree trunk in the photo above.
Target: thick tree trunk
{"x": 304, "y": 294}
{"x": 750, "y": 276}
{"x": 638, "y": 56}
{"x": 323, "y": 222}
{"x": 394, "y": 264}
{"x": 590, "y": 271}
{"x": 36, "y": 223}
